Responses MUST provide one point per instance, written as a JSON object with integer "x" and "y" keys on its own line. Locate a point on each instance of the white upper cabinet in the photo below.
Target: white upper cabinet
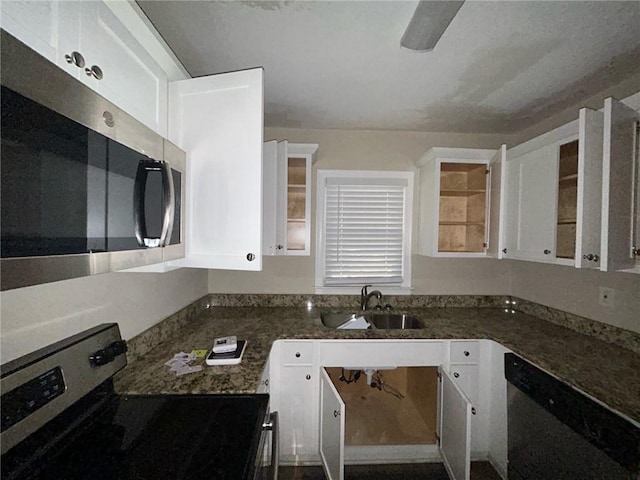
{"x": 589, "y": 189}
{"x": 553, "y": 195}
{"x": 620, "y": 184}
{"x": 531, "y": 208}
{"x": 287, "y": 197}
{"x": 497, "y": 208}
{"x": 455, "y": 202}
{"x": 218, "y": 121}
{"x": 89, "y": 42}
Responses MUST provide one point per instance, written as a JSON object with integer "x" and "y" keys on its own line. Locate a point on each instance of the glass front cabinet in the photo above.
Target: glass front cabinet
{"x": 287, "y": 197}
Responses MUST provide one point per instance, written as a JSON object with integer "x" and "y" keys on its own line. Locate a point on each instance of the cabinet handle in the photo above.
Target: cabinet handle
{"x": 251, "y": 257}
{"x": 466, "y": 354}
{"x": 75, "y": 58}
{"x": 336, "y": 413}
{"x": 546, "y": 252}
{"x": 308, "y": 377}
{"x": 456, "y": 374}
{"x": 95, "y": 72}
{"x": 297, "y": 354}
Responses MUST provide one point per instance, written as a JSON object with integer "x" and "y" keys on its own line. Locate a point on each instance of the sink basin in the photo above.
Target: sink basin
{"x": 393, "y": 321}
{"x": 382, "y": 321}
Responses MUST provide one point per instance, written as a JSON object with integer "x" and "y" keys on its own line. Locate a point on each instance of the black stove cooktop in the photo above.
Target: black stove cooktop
{"x": 145, "y": 437}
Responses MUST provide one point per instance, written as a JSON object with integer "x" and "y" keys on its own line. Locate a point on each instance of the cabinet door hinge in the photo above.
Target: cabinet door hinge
{"x": 437, "y": 438}
{"x": 487, "y": 171}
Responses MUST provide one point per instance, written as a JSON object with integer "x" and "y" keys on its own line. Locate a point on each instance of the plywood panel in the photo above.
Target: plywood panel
{"x": 453, "y": 209}
{"x": 375, "y": 417}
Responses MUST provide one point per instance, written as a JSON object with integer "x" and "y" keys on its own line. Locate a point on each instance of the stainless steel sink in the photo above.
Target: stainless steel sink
{"x": 394, "y": 321}
{"x": 382, "y": 321}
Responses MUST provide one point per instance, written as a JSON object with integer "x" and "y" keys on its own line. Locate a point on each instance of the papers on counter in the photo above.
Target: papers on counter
{"x": 181, "y": 362}
{"x": 355, "y": 323}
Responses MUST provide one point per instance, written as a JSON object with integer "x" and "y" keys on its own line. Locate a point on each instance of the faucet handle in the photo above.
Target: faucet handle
{"x": 364, "y": 292}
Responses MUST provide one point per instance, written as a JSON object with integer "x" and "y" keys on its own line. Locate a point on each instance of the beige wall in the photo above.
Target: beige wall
{"x": 371, "y": 150}
{"x": 577, "y": 291}
{"x": 34, "y": 317}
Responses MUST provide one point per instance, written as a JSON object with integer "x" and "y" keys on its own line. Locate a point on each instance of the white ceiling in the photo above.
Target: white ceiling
{"x": 499, "y": 67}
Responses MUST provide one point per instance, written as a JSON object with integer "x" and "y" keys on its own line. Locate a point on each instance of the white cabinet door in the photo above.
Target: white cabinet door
{"x": 617, "y": 186}
{"x": 454, "y": 427}
{"x": 274, "y": 197}
{"x": 332, "y": 420}
{"x": 497, "y": 196}
{"x": 131, "y": 77}
{"x": 218, "y": 121}
{"x": 50, "y": 28}
{"x": 296, "y": 420}
{"x": 531, "y": 197}
{"x": 589, "y": 205}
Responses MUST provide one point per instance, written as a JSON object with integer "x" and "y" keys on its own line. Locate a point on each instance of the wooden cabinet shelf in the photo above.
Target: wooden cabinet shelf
{"x": 454, "y": 201}
{"x": 461, "y": 193}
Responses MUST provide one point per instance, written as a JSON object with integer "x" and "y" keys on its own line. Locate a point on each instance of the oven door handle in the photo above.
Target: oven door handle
{"x": 139, "y": 220}
{"x": 275, "y": 444}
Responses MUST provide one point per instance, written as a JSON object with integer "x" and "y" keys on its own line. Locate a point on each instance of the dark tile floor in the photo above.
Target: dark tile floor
{"x": 411, "y": 471}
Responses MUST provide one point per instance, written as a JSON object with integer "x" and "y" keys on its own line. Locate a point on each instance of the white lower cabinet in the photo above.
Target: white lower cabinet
{"x": 454, "y": 427}
{"x": 390, "y": 401}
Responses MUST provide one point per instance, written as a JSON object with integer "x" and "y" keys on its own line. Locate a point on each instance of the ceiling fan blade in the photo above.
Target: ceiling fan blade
{"x": 429, "y": 21}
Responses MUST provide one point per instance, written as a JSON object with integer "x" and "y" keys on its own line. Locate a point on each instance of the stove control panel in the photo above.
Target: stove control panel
{"x": 22, "y": 401}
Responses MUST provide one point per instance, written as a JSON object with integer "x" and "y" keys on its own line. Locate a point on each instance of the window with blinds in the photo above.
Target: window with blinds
{"x": 364, "y": 228}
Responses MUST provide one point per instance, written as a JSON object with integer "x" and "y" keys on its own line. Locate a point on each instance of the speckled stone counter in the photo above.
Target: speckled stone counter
{"x": 605, "y": 371}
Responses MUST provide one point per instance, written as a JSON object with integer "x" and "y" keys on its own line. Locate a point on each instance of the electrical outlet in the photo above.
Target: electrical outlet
{"x": 607, "y": 297}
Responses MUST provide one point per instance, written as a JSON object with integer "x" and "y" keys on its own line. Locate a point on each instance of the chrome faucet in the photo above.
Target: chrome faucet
{"x": 365, "y": 295}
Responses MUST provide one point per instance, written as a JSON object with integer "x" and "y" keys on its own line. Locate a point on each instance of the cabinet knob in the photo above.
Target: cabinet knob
{"x": 636, "y": 252}
{"x": 297, "y": 354}
{"x": 473, "y": 410}
{"x": 308, "y": 377}
{"x": 591, "y": 257}
{"x": 251, "y": 257}
{"x": 466, "y": 353}
{"x": 504, "y": 250}
{"x": 456, "y": 374}
{"x": 75, "y": 58}
{"x": 95, "y": 72}
{"x": 546, "y": 252}
{"x": 279, "y": 247}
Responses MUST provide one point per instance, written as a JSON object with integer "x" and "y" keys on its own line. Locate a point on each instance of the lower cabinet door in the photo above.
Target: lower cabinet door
{"x": 332, "y": 413}
{"x": 454, "y": 426}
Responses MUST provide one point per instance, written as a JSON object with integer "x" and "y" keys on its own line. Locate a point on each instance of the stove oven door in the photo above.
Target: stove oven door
{"x": 267, "y": 462}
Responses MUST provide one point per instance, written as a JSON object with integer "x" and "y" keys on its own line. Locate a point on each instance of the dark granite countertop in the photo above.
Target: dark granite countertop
{"x": 603, "y": 370}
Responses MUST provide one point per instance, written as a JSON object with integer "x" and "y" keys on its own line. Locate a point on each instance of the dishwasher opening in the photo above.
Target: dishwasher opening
{"x": 557, "y": 432}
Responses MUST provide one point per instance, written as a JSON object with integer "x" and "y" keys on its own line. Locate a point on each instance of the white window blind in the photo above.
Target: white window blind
{"x": 365, "y": 229}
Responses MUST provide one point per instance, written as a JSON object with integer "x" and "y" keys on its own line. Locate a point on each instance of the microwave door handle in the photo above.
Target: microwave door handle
{"x": 169, "y": 204}
{"x": 139, "y": 220}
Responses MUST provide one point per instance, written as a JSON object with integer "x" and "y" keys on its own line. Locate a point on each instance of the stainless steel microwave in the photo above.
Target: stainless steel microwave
{"x": 86, "y": 188}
